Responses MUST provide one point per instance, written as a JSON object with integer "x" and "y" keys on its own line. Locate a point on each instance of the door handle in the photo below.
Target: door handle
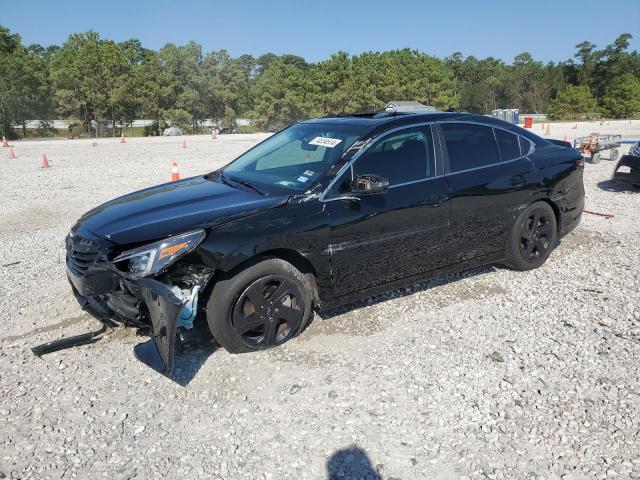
{"x": 435, "y": 200}
{"x": 518, "y": 180}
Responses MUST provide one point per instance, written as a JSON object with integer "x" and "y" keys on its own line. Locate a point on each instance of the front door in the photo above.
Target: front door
{"x": 383, "y": 237}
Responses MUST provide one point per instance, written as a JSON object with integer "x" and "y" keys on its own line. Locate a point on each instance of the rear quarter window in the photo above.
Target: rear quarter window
{"x": 509, "y": 145}
{"x": 469, "y": 146}
{"x": 525, "y": 146}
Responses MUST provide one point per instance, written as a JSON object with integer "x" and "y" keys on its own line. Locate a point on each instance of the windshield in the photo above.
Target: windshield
{"x": 294, "y": 159}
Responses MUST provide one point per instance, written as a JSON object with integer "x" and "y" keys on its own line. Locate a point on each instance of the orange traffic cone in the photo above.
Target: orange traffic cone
{"x": 184, "y": 144}
{"x": 11, "y": 154}
{"x": 175, "y": 175}
{"x": 4, "y": 141}
{"x": 45, "y": 162}
{"x": 122, "y": 140}
{"x": 574, "y": 127}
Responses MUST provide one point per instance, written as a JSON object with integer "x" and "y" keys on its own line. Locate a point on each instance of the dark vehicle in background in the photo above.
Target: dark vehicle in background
{"x": 322, "y": 213}
{"x": 630, "y": 174}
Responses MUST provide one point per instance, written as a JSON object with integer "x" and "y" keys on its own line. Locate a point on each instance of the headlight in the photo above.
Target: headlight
{"x": 152, "y": 258}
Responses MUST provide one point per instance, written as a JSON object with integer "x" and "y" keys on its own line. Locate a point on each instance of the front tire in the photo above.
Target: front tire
{"x": 532, "y": 238}
{"x": 260, "y": 307}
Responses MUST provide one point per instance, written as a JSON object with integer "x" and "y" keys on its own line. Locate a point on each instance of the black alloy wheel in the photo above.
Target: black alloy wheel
{"x": 264, "y": 305}
{"x": 532, "y": 238}
{"x": 268, "y": 312}
{"x": 535, "y": 233}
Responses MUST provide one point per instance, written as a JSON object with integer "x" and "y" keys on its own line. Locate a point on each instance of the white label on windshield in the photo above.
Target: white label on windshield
{"x": 302, "y": 179}
{"x": 325, "y": 142}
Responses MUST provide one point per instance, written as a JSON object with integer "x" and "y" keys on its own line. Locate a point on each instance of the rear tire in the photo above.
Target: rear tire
{"x": 260, "y": 307}
{"x": 532, "y": 238}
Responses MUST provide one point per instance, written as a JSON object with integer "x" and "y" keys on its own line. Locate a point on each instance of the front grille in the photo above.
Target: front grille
{"x": 81, "y": 253}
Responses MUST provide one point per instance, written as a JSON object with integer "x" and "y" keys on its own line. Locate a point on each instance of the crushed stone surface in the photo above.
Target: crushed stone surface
{"x": 487, "y": 374}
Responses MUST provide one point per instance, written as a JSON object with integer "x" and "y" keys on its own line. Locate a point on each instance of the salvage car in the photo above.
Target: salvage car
{"x": 324, "y": 212}
{"x": 630, "y": 174}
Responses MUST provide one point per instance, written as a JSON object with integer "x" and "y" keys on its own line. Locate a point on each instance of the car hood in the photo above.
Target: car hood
{"x": 170, "y": 209}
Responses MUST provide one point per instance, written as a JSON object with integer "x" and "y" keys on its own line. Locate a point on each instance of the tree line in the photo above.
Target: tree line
{"x": 100, "y": 85}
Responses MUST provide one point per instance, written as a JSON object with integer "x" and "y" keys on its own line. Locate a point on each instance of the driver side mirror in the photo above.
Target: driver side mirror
{"x": 367, "y": 184}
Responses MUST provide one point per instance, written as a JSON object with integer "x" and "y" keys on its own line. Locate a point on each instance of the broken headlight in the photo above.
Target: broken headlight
{"x": 154, "y": 257}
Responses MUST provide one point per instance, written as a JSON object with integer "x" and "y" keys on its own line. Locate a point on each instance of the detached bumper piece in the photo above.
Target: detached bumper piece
{"x": 632, "y": 177}
{"x": 75, "y": 341}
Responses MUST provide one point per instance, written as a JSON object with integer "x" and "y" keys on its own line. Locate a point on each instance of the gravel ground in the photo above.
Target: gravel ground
{"x": 488, "y": 374}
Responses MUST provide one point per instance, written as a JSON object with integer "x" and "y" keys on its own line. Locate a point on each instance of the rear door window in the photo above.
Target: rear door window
{"x": 508, "y": 143}
{"x": 469, "y": 146}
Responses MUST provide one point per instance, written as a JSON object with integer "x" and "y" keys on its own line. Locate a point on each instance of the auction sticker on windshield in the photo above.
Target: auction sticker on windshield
{"x": 325, "y": 142}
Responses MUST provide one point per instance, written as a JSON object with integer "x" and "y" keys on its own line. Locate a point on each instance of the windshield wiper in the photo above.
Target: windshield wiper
{"x": 243, "y": 182}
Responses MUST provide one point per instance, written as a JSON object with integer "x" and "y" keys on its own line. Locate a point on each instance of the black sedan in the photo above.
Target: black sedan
{"x": 324, "y": 212}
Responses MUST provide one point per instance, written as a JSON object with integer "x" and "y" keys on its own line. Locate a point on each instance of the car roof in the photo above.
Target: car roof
{"x": 381, "y": 121}
{"x": 378, "y": 122}
{"x": 374, "y": 119}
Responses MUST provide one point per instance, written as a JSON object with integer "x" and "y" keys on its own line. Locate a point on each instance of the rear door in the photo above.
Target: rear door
{"x": 489, "y": 174}
{"x": 384, "y": 237}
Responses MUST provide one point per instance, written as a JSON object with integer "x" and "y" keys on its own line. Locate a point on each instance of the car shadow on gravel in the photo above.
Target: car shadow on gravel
{"x": 350, "y": 464}
{"x": 617, "y": 187}
{"x": 189, "y": 360}
{"x": 193, "y": 349}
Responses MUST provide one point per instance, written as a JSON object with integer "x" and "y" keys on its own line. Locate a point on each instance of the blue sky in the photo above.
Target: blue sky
{"x": 314, "y": 30}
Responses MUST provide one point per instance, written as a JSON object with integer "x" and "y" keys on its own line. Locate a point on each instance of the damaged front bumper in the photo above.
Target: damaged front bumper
{"x": 163, "y": 304}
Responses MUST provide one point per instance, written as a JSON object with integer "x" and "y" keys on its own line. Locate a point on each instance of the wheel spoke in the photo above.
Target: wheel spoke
{"x": 527, "y": 227}
{"x": 282, "y": 289}
{"x": 529, "y": 248}
{"x": 541, "y": 246}
{"x": 256, "y": 297}
{"x": 544, "y": 229}
{"x": 243, "y": 325}
{"x": 536, "y": 220}
{"x": 291, "y": 315}
{"x": 270, "y": 333}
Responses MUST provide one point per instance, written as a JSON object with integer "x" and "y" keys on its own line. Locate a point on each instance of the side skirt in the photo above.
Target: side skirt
{"x": 412, "y": 280}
